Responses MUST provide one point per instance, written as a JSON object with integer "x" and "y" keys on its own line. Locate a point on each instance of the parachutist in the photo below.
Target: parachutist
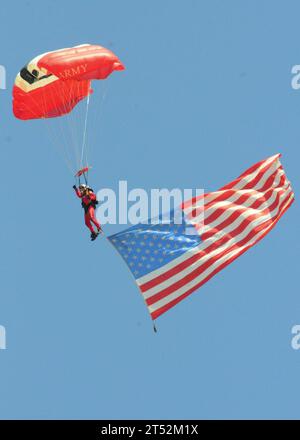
{"x": 89, "y": 202}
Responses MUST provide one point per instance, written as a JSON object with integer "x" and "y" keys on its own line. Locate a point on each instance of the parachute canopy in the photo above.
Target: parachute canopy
{"x": 53, "y": 83}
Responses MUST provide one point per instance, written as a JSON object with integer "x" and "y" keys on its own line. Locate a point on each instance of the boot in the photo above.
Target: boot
{"x": 94, "y": 235}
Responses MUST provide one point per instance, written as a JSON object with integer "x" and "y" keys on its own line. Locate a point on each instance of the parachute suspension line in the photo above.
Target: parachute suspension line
{"x": 75, "y": 121}
{"x": 68, "y": 124}
{"x": 84, "y": 132}
{"x": 85, "y": 178}
{"x": 95, "y": 120}
{"x": 51, "y": 135}
{"x": 61, "y": 140}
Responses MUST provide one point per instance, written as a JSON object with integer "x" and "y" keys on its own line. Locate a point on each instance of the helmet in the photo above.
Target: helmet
{"x": 83, "y": 186}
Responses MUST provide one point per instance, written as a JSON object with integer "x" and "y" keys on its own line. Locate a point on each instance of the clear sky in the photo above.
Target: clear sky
{"x": 206, "y": 94}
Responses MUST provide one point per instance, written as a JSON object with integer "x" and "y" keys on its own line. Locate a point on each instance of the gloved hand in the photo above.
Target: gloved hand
{"x": 74, "y": 187}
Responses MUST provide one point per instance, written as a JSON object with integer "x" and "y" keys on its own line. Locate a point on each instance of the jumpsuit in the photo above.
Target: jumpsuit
{"x": 88, "y": 204}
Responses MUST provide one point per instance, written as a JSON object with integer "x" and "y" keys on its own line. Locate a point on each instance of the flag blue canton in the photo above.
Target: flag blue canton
{"x": 148, "y": 246}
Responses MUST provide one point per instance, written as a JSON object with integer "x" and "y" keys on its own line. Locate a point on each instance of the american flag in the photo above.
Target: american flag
{"x": 169, "y": 263}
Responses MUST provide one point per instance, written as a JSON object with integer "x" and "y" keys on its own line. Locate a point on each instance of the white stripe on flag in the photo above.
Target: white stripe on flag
{"x": 164, "y": 301}
{"x": 212, "y": 255}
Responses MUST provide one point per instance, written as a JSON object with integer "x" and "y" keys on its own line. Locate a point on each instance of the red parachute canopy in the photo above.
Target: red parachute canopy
{"x": 53, "y": 83}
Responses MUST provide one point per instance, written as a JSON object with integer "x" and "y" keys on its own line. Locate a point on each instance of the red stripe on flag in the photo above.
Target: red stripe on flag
{"x": 172, "y": 303}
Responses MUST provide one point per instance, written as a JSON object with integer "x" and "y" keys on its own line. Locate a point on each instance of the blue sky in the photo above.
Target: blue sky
{"x": 206, "y": 93}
